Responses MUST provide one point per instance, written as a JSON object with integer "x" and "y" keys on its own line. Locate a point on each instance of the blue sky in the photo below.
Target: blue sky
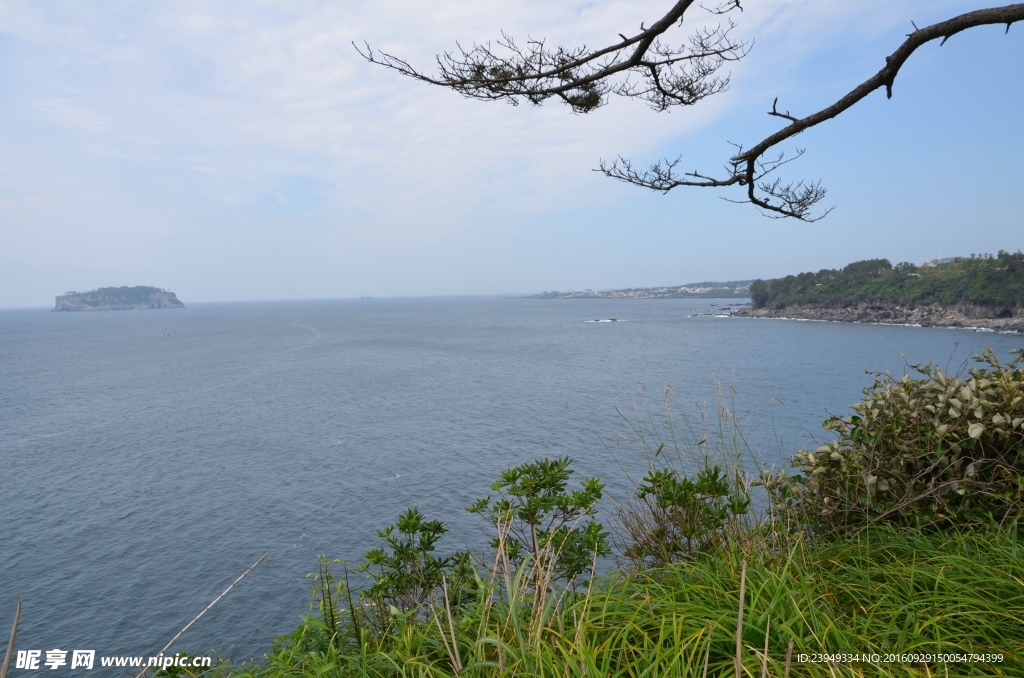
{"x": 243, "y": 151}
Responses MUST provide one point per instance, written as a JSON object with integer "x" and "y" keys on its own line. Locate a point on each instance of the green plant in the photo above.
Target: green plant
{"x": 884, "y": 592}
{"x": 934, "y": 450}
{"x": 749, "y": 604}
{"x": 405, "y": 581}
{"x": 694, "y": 497}
{"x": 178, "y": 671}
{"x": 405, "y": 573}
{"x": 677, "y": 516}
{"x": 541, "y": 523}
{"x": 325, "y": 592}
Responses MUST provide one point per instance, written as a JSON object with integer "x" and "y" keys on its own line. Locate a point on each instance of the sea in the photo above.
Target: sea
{"x": 149, "y": 458}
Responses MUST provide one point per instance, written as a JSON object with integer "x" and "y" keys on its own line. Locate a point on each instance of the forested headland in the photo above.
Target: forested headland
{"x": 979, "y": 290}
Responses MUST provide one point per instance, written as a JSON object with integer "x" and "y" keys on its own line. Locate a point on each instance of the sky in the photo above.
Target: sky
{"x": 243, "y": 150}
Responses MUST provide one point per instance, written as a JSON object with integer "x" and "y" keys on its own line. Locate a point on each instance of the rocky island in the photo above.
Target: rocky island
{"x": 985, "y": 292}
{"x": 118, "y": 299}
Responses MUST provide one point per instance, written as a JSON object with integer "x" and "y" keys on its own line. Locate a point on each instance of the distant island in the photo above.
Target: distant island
{"x": 716, "y": 290}
{"x": 118, "y": 299}
{"x": 982, "y": 291}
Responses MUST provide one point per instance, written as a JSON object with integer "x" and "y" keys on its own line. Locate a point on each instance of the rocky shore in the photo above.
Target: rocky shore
{"x": 925, "y": 316}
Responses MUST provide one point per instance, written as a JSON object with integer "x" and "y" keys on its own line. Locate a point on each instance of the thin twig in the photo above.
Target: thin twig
{"x": 215, "y": 601}
{"x": 10, "y": 643}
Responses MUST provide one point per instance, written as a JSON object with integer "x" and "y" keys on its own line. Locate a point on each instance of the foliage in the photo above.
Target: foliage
{"x": 676, "y": 516}
{"x": 935, "y": 450}
{"x": 405, "y": 579}
{"x": 405, "y": 572}
{"x": 139, "y": 293}
{"x": 178, "y": 671}
{"x": 898, "y": 588}
{"x": 694, "y": 497}
{"x": 886, "y": 592}
{"x": 546, "y": 538}
{"x": 541, "y": 524}
{"x": 984, "y": 285}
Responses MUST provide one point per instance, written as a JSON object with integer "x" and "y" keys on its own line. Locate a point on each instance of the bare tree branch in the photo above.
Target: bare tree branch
{"x": 797, "y": 199}
{"x": 886, "y": 77}
{"x": 662, "y": 75}
{"x": 644, "y": 67}
{"x": 775, "y": 112}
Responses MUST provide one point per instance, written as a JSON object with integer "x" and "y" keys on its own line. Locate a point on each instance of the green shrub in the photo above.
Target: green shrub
{"x": 695, "y": 495}
{"x": 404, "y": 571}
{"x": 406, "y": 579}
{"x": 889, "y": 590}
{"x": 542, "y": 525}
{"x": 675, "y": 516}
{"x": 934, "y": 450}
{"x": 546, "y": 538}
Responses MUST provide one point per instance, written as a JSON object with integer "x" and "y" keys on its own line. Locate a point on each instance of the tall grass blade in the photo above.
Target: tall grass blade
{"x": 739, "y": 619}
{"x": 764, "y": 657}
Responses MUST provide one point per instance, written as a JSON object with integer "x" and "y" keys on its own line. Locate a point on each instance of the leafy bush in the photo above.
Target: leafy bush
{"x": 676, "y": 516}
{"x": 546, "y": 538}
{"x": 406, "y": 578}
{"x": 405, "y": 573}
{"x": 694, "y": 497}
{"x": 885, "y": 590}
{"x": 935, "y": 450}
{"x": 543, "y": 526}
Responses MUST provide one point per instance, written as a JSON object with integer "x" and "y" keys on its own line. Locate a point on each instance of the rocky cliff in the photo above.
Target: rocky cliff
{"x": 1007, "y": 320}
{"x": 118, "y": 299}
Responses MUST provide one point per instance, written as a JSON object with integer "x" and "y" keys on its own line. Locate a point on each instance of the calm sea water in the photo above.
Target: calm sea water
{"x": 148, "y": 458}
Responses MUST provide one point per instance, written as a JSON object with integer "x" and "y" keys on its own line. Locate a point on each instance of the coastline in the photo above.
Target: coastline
{"x": 923, "y": 316}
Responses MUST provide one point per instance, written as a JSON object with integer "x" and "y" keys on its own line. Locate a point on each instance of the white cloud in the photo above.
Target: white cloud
{"x": 66, "y": 114}
{"x": 191, "y": 107}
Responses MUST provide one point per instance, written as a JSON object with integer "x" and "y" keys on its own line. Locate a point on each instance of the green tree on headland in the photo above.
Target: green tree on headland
{"x": 992, "y": 285}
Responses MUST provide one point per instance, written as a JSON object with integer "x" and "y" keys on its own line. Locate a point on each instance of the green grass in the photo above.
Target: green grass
{"x": 888, "y": 592}
{"x": 756, "y": 602}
